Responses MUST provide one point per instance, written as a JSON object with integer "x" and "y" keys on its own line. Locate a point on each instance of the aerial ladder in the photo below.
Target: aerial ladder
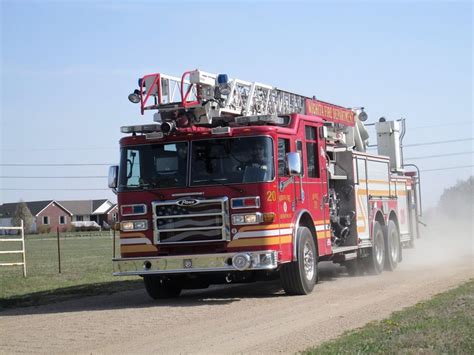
{"x": 214, "y": 96}
{"x": 205, "y": 99}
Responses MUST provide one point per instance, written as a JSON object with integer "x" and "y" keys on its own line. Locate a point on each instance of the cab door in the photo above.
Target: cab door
{"x": 315, "y": 185}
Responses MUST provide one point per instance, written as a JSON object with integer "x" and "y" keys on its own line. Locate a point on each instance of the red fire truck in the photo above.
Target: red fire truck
{"x": 238, "y": 181}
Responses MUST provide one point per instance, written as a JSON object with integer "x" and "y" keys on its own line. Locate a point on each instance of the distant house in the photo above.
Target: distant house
{"x": 101, "y": 212}
{"x": 48, "y": 215}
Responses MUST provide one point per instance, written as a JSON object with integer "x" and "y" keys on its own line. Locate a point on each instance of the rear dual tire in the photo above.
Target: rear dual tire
{"x": 392, "y": 246}
{"x": 376, "y": 260}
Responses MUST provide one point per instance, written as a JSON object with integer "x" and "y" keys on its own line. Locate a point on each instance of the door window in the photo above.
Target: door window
{"x": 311, "y": 152}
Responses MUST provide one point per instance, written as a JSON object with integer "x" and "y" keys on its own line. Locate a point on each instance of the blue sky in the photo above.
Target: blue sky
{"x": 68, "y": 66}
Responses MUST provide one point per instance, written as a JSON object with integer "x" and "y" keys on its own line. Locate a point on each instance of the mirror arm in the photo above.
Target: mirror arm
{"x": 301, "y": 188}
{"x": 284, "y": 184}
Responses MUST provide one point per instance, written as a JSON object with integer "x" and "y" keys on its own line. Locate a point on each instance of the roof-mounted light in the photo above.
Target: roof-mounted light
{"x": 168, "y": 127}
{"x": 154, "y": 135}
{"x": 134, "y": 97}
{"x": 222, "y": 79}
{"x": 273, "y": 119}
{"x": 143, "y": 128}
{"x": 221, "y": 131}
{"x": 245, "y": 202}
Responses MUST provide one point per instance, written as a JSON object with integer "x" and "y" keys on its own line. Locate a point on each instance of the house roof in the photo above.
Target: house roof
{"x": 78, "y": 207}
{"x": 111, "y": 209}
{"x": 97, "y": 203}
{"x": 35, "y": 207}
{"x": 83, "y": 207}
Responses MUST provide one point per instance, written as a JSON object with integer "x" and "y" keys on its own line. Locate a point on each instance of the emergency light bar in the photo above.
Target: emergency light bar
{"x": 245, "y": 202}
{"x": 142, "y": 128}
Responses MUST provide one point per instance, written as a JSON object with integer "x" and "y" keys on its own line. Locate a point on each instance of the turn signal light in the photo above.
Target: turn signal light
{"x": 268, "y": 217}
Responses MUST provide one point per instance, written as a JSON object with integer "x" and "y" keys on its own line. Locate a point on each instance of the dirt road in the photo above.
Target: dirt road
{"x": 255, "y": 318}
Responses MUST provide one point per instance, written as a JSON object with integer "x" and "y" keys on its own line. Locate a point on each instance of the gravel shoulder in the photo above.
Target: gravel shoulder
{"x": 252, "y": 318}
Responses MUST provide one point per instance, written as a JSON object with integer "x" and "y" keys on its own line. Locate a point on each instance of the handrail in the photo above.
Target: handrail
{"x": 184, "y": 97}
{"x": 156, "y": 82}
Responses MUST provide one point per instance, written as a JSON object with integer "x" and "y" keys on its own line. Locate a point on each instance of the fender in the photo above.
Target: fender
{"x": 295, "y": 225}
{"x": 383, "y": 219}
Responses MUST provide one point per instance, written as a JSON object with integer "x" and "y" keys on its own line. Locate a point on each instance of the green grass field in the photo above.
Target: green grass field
{"x": 442, "y": 325}
{"x": 86, "y": 268}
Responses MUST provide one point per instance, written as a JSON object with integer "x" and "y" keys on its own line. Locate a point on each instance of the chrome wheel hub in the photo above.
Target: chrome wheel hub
{"x": 394, "y": 245}
{"x": 379, "y": 248}
{"x": 308, "y": 261}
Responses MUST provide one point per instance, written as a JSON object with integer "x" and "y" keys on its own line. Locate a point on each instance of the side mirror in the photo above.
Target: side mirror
{"x": 113, "y": 174}
{"x": 293, "y": 161}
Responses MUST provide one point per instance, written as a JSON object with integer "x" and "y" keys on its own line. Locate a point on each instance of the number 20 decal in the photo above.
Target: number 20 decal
{"x": 271, "y": 196}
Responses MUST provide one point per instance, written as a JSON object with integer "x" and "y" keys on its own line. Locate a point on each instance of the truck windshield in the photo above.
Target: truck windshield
{"x": 232, "y": 160}
{"x": 154, "y": 166}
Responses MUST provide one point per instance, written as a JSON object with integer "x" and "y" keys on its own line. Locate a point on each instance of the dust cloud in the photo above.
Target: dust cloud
{"x": 443, "y": 241}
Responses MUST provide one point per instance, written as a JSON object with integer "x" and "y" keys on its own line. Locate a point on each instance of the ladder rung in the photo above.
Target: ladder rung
{"x": 11, "y": 240}
{"x": 12, "y": 252}
{"x": 11, "y": 264}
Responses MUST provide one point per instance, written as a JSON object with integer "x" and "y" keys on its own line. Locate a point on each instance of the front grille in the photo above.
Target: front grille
{"x": 191, "y": 221}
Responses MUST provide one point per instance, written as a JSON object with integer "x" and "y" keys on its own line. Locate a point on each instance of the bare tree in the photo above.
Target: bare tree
{"x": 22, "y": 212}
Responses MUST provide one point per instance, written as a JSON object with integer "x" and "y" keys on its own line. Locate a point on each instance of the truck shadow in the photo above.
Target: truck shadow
{"x": 131, "y": 294}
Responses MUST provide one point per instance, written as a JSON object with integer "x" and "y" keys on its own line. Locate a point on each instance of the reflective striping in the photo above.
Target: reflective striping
{"x": 322, "y": 227}
{"x": 137, "y": 248}
{"x": 361, "y": 229}
{"x": 324, "y": 234}
{"x": 270, "y": 226}
{"x": 284, "y": 239}
{"x": 361, "y": 207}
{"x": 263, "y": 233}
{"x": 364, "y": 192}
{"x": 131, "y": 235}
{"x": 385, "y": 182}
{"x": 128, "y": 241}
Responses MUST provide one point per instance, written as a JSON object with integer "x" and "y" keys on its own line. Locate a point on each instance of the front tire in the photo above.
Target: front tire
{"x": 300, "y": 276}
{"x": 159, "y": 287}
{"x": 376, "y": 260}
{"x": 392, "y": 246}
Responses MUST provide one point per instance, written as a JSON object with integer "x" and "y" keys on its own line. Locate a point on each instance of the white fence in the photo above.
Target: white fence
{"x": 14, "y": 238}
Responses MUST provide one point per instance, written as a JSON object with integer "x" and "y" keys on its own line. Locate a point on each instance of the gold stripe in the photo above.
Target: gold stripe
{"x": 131, "y": 235}
{"x": 324, "y": 234}
{"x": 375, "y": 181}
{"x": 137, "y": 248}
{"x": 360, "y": 229}
{"x": 270, "y": 226}
{"x": 363, "y": 192}
{"x": 284, "y": 239}
{"x": 373, "y": 192}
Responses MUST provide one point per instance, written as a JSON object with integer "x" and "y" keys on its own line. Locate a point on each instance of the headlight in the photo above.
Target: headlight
{"x": 127, "y": 226}
{"x": 247, "y": 218}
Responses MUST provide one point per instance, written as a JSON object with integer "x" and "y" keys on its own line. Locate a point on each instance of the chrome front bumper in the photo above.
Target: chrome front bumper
{"x": 240, "y": 261}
